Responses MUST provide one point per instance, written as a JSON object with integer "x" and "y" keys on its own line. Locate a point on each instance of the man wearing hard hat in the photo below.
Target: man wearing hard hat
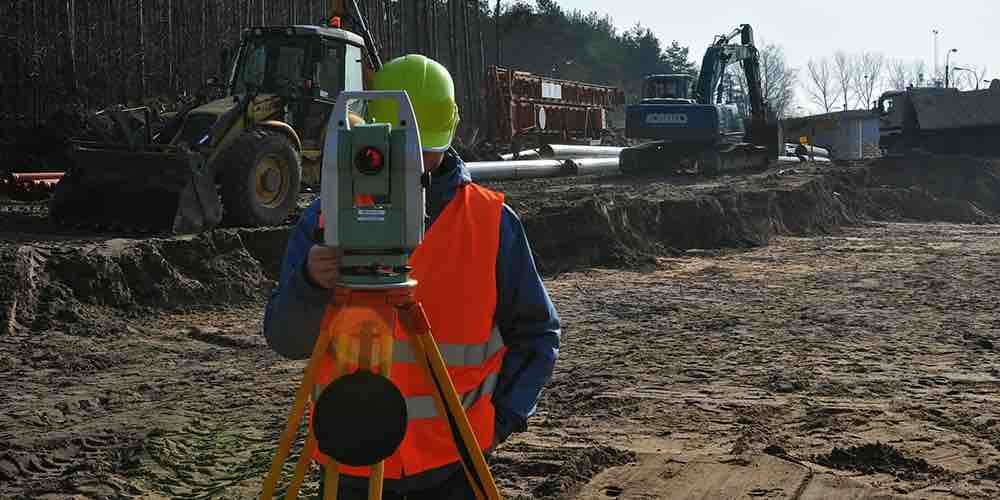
{"x": 478, "y": 283}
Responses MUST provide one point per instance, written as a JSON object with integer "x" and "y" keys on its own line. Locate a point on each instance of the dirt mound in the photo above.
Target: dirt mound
{"x": 991, "y": 472}
{"x": 623, "y": 221}
{"x": 875, "y": 458}
{"x": 76, "y": 284}
{"x": 615, "y": 221}
{"x": 552, "y": 472}
{"x": 579, "y": 469}
{"x": 954, "y": 189}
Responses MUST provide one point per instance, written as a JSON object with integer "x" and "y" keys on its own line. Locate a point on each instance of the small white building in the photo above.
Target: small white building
{"x": 849, "y": 135}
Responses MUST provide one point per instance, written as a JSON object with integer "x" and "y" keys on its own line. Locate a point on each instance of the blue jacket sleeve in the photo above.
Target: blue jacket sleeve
{"x": 296, "y": 306}
{"x": 529, "y": 325}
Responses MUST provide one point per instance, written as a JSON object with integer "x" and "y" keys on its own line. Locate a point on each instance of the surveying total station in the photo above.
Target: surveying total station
{"x": 373, "y": 199}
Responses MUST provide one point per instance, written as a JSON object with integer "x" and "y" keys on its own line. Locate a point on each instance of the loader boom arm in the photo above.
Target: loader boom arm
{"x": 340, "y": 8}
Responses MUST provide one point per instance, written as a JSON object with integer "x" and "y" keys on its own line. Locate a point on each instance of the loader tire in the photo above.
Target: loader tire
{"x": 260, "y": 176}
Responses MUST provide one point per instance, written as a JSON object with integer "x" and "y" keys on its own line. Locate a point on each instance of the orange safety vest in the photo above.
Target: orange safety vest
{"x": 455, "y": 269}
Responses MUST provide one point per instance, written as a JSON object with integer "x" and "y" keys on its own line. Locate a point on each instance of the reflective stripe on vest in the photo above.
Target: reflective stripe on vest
{"x": 423, "y": 406}
{"x": 454, "y": 355}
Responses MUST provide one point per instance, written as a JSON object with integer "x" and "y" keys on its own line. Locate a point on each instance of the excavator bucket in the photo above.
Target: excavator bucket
{"x": 147, "y": 188}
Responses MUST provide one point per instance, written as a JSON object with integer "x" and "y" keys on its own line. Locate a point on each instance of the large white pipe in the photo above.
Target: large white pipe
{"x": 799, "y": 159}
{"x": 570, "y": 151}
{"x": 816, "y": 151}
{"x": 512, "y": 170}
{"x": 591, "y": 166}
{"x": 528, "y": 154}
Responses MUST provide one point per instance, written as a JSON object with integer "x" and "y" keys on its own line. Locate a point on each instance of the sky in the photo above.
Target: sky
{"x": 813, "y": 29}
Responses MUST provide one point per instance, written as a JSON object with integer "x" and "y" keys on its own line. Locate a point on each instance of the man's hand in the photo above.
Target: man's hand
{"x": 323, "y": 265}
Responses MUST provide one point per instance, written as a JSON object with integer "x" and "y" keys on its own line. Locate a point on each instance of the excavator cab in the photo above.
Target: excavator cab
{"x": 667, "y": 89}
{"x": 682, "y": 125}
{"x": 238, "y": 160}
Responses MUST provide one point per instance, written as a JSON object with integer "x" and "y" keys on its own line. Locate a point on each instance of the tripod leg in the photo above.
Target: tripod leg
{"x": 414, "y": 320}
{"x": 382, "y": 363}
{"x": 375, "y": 481}
{"x": 332, "y": 483}
{"x": 301, "y": 467}
{"x": 295, "y": 417}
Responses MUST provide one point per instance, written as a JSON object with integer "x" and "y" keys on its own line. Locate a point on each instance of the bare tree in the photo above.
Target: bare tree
{"x": 778, "y": 79}
{"x": 843, "y": 66}
{"x": 967, "y": 78}
{"x": 981, "y": 75}
{"x": 918, "y": 72}
{"x": 898, "y": 75}
{"x": 867, "y": 76}
{"x": 820, "y": 86}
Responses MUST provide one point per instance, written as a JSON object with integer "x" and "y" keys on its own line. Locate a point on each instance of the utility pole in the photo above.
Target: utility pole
{"x": 936, "y": 67}
{"x": 947, "y": 62}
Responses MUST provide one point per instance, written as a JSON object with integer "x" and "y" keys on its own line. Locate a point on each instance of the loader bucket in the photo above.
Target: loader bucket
{"x": 150, "y": 189}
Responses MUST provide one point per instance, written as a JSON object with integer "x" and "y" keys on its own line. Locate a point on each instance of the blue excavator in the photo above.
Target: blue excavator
{"x": 687, "y": 126}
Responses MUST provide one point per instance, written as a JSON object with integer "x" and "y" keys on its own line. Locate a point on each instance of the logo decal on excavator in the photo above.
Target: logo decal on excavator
{"x": 667, "y": 118}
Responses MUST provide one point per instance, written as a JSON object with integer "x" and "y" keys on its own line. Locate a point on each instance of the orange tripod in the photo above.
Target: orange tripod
{"x": 357, "y": 332}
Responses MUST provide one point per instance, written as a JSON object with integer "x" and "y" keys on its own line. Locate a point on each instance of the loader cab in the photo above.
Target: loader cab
{"x": 886, "y": 104}
{"x": 890, "y": 108}
{"x": 894, "y": 119}
{"x": 298, "y": 61}
{"x": 667, "y": 89}
{"x": 307, "y": 66}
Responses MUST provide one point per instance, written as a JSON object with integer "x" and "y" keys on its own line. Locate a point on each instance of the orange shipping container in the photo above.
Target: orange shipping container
{"x": 518, "y": 102}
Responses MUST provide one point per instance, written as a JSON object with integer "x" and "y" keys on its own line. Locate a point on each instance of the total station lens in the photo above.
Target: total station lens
{"x": 369, "y": 160}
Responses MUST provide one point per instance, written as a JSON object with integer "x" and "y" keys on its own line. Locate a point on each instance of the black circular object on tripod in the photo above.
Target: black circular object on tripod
{"x": 360, "y": 419}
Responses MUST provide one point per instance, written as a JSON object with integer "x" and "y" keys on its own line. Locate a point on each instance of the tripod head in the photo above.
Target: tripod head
{"x": 371, "y": 192}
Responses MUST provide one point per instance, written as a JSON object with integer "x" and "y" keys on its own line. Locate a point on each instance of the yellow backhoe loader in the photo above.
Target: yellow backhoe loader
{"x": 239, "y": 160}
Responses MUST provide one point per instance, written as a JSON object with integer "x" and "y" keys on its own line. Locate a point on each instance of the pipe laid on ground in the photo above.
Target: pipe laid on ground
{"x": 46, "y": 179}
{"x": 38, "y": 176}
{"x": 802, "y": 159}
{"x": 569, "y": 152}
{"x": 592, "y": 166}
{"x": 514, "y": 170}
{"x": 815, "y": 151}
{"x": 528, "y": 154}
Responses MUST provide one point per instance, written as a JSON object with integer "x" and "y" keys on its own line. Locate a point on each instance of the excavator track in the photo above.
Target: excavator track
{"x": 666, "y": 158}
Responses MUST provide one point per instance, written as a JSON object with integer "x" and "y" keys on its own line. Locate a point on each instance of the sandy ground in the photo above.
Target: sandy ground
{"x": 711, "y": 375}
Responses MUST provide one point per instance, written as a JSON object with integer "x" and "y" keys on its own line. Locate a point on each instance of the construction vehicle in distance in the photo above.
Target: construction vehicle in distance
{"x": 687, "y": 125}
{"x": 940, "y": 120}
{"x": 239, "y": 160}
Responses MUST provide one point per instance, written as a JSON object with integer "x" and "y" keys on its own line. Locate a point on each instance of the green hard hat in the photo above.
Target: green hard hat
{"x": 432, "y": 94}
